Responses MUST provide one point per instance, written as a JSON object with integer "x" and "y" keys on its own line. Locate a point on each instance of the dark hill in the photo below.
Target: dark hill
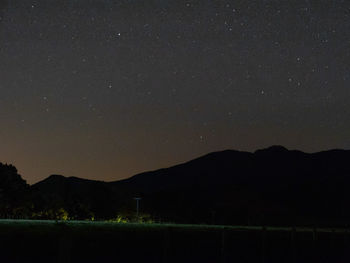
{"x": 269, "y": 186}
{"x": 80, "y": 197}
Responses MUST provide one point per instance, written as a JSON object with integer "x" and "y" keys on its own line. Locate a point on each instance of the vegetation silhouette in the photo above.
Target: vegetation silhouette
{"x": 14, "y": 193}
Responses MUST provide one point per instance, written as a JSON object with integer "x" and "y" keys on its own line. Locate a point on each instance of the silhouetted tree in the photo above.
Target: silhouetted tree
{"x": 14, "y": 192}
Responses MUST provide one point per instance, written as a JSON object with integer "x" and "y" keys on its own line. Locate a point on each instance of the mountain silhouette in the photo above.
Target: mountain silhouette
{"x": 269, "y": 186}
{"x": 78, "y": 196}
{"x": 274, "y": 186}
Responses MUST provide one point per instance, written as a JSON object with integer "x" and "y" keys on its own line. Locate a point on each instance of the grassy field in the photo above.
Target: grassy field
{"x": 84, "y": 241}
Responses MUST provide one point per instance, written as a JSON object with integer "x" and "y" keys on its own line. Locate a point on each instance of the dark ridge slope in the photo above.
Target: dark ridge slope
{"x": 272, "y": 185}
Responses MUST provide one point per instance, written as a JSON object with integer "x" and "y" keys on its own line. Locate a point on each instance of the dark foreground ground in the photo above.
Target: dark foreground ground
{"x": 77, "y": 241}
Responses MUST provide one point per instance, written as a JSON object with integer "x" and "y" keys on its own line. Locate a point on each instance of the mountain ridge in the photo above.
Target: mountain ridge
{"x": 269, "y": 149}
{"x": 269, "y": 186}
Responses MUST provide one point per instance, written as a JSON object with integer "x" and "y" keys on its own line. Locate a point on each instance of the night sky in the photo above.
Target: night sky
{"x": 105, "y": 89}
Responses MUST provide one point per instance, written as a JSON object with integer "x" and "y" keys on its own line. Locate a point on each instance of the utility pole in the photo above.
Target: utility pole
{"x": 137, "y": 206}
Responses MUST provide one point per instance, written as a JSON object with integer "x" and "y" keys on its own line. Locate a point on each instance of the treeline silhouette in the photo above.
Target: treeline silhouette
{"x": 272, "y": 186}
{"x": 14, "y": 193}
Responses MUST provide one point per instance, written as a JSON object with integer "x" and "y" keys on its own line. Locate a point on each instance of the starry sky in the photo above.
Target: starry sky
{"x": 103, "y": 89}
